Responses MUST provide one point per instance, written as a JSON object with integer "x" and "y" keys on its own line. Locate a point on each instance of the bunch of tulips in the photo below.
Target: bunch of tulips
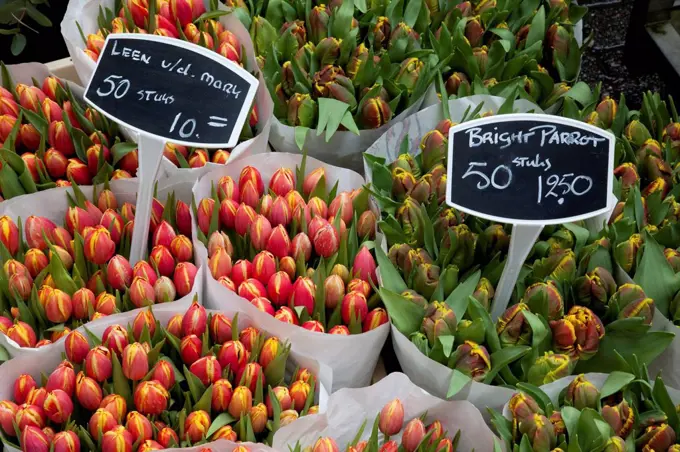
{"x": 181, "y": 19}
{"x": 414, "y": 436}
{"x": 50, "y": 139}
{"x": 144, "y": 386}
{"x": 624, "y": 414}
{"x": 323, "y": 278}
{"x": 63, "y": 276}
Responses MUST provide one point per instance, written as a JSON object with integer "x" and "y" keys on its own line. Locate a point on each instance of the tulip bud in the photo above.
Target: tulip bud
{"x": 522, "y": 406}
{"x": 364, "y": 266}
{"x": 539, "y": 430}
{"x": 287, "y": 264}
{"x": 630, "y": 301}
{"x": 105, "y": 303}
{"x": 414, "y": 432}
{"x": 578, "y": 333}
{"x": 190, "y": 349}
{"x": 241, "y": 271}
{"x": 76, "y": 347}
{"x": 36, "y": 397}
{"x": 279, "y": 243}
{"x": 582, "y": 394}
{"x": 22, "y": 386}
{"x": 185, "y": 274}
{"x": 549, "y": 367}
{"x": 286, "y": 315}
{"x": 88, "y": 392}
{"x": 303, "y": 294}
{"x": 471, "y": 359}
{"x": 98, "y": 364}
{"x": 66, "y": 441}
{"x": 22, "y": 334}
{"x": 241, "y": 402}
{"x": 34, "y": 440}
{"x": 621, "y": 418}
{"x": 299, "y": 392}
{"x": 391, "y": 418}
{"x": 151, "y": 398}
{"x": 9, "y": 234}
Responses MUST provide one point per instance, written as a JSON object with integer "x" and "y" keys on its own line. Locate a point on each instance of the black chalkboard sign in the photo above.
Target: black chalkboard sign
{"x": 530, "y": 169}
{"x": 172, "y": 89}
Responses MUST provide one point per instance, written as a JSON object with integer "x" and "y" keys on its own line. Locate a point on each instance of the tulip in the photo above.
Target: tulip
{"x": 66, "y": 441}
{"x": 185, "y": 274}
{"x": 9, "y": 234}
{"x": 207, "y": 369}
{"x": 283, "y": 396}
{"x": 241, "y": 402}
{"x": 34, "y": 440}
{"x": 22, "y": 334}
{"x": 439, "y": 320}
{"x": 117, "y": 439}
{"x": 58, "y": 406}
{"x": 139, "y": 426}
{"x": 414, "y": 433}
{"x": 549, "y": 367}
{"x": 364, "y": 266}
{"x": 594, "y": 289}
{"x": 88, "y": 392}
{"x": 30, "y": 416}
{"x": 312, "y": 179}
{"x": 7, "y": 413}
{"x": 539, "y": 431}
{"x": 115, "y": 405}
{"x": 522, "y": 406}
{"x": 582, "y": 394}
{"x": 630, "y": 301}
{"x": 578, "y": 333}
{"x": 278, "y": 242}
{"x": 513, "y": 328}
{"x": 105, "y": 303}
{"x": 287, "y": 264}
{"x": 620, "y": 417}
{"x": 299, "y": 392}
{"x": 286, "y": 315}
{"x": 303, "y": 294}
{"x": 135, "y": 361}
{"x": 20, "y": 286}
{"x": 63, "y": 378}
{"x": 167, "y": 437}
{"x": 233, "y": 355}
{"x": 391, "y": 418}
{"x": 314, "y": 326}
{"x": 36, "y": 397}
{"x": 151, "y": 398}
{"x": 98, "y": 364}
{"x": 287, "y": 417}
{"x": 196, "y": 425}
{"x": 657, "y": 437}
{"x": 22, "y": 386}
{"x": 251, "y": 174}
{"x": 76, "y": 347}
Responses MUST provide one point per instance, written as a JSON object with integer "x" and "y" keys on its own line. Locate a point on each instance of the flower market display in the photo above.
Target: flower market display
{"x": 194, "y": 378}
{"x": 283, "y": 253}
{"x": 69, "y": 268}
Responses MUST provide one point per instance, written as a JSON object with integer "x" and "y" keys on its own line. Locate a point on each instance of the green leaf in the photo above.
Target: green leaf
{"x": 196, "y": 387}
{"x": 503, "y": 357}
{"x": 18, "y": 44}
{"x": 300, "y": 136}
{"x": 665, "y": 403}
{"x": 205, "y": 400}
{"x": 37, "y": 16}
{"x": 459, "y": 299}
{"x": 406, "y": 315}
{"x": 655, "y": 275}
{"x": 390, "y": 276}
{"x": 615, "y": 382}
{"x": 458, "y": 381}
{"x": 219, "y": 422}
{"x": 121, "y": 385}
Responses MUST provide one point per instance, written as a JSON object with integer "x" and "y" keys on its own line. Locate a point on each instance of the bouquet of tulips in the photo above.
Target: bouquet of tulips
{"x": 55, "y": 278}
{"x": 341, "y": 68}
{"x": 49, "y": 138}
{"x": 501, "y": 46}
{"x": 162, "y": 380}
{"x": 188, "y": 20}
{"x": 280, "y": 241}
{"x": 393, "y": 414}
{"x": 429, "y": 266}
{"x": 615, "y": 412}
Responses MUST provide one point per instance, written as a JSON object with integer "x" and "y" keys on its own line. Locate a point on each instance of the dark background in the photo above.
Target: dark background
{"x": 47, "y": 45}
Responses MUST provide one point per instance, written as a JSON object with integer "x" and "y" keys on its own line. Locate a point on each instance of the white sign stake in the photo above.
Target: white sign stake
{"x": 168, "y": 90}
{"x": 150, "y": 156}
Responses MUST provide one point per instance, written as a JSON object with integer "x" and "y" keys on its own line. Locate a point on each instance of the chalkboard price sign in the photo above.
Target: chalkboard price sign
{"x": 530, "y": 169}
{"x": 172, "y": 90}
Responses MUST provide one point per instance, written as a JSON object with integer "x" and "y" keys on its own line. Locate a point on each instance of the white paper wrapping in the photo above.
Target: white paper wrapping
{"x": 85, "y": 12}
{"x": 53, "y": 204}
{"x": 344, "y": 149}
{"x": 45, "y": 361}
{"x": 349, "y": 408}
{"x": 352, "y": 358}
{"x": 435, "y": 377}
{"x": 667, "y": 363}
